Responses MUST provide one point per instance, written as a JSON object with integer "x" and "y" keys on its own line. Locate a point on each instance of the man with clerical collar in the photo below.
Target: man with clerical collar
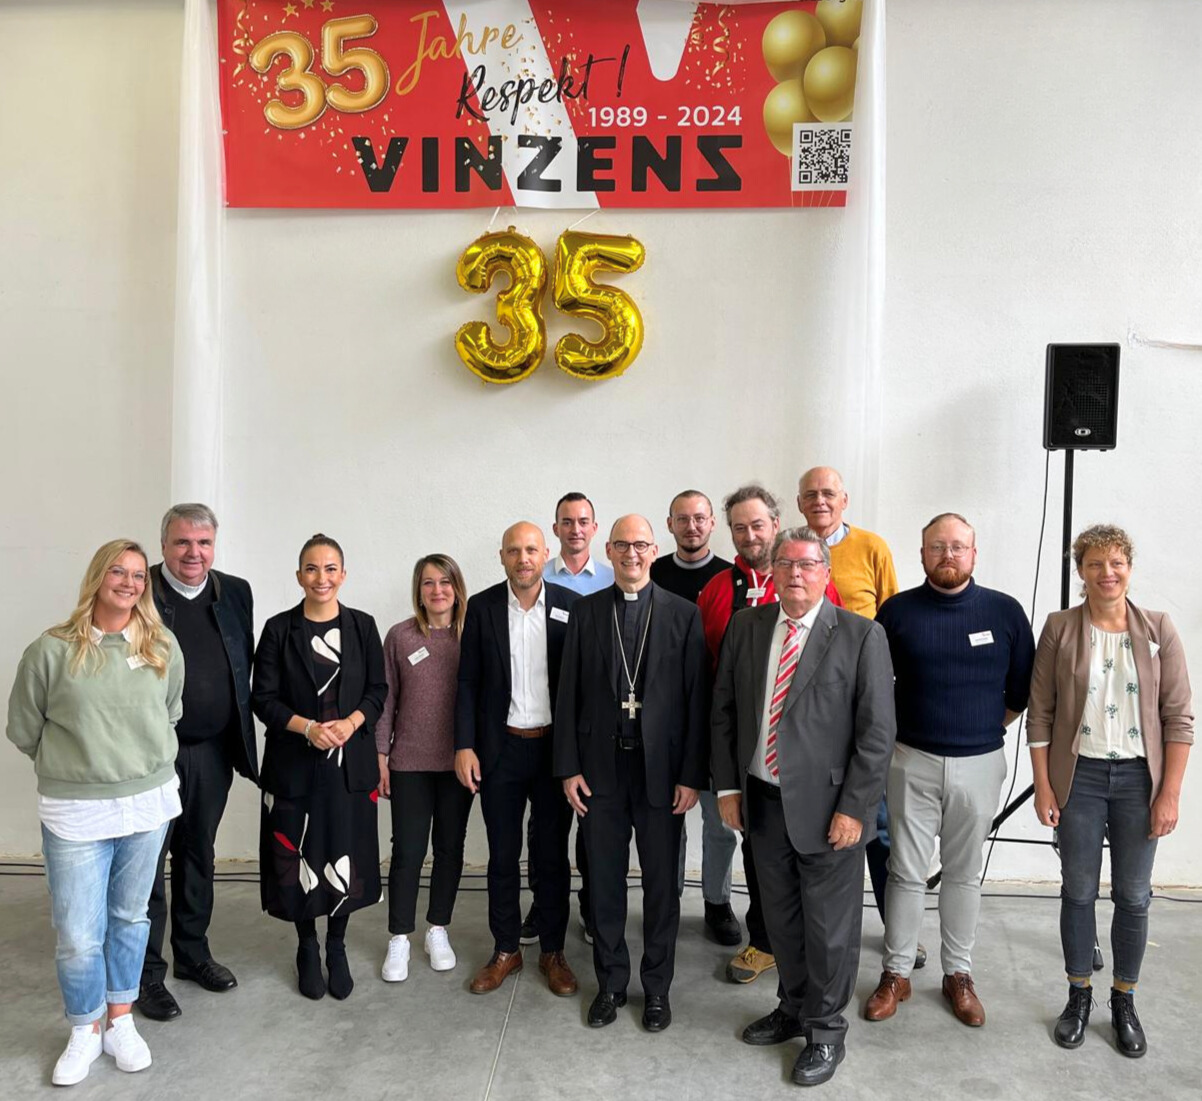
{"x": 685, "y": 573}
{"x": 509, "y": 662}
{"x": 963, "y": 656}
{"x": 802, "y": 731}
{"x": 212, "y": 615}
{"x": 630, "y": 749}
{"x": 574, "y": 567}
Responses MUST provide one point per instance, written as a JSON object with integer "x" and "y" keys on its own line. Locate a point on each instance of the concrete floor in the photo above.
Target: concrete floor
{"x": 428, "y": 1038}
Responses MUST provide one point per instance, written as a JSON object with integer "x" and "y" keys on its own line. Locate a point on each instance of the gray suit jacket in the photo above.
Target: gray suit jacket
{"x": 837, "y": 729}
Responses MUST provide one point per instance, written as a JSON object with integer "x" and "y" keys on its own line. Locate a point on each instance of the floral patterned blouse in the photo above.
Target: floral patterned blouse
{"x": 1110, "y": 723}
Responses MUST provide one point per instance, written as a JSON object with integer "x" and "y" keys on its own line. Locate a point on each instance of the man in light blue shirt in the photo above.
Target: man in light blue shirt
{"x": 574, "y": 567}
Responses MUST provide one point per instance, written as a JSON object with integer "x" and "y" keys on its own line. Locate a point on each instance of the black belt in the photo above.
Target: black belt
{"x": 628, "y": 744}
{"x": 762, "y": 787}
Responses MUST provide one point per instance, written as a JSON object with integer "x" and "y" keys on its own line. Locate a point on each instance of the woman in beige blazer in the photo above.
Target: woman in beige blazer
{"x": 1109, "y": 727}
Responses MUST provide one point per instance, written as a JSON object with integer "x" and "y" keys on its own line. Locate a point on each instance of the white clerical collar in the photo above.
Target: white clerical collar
{"x": 98, "y": 634}
{"x": 562, "y": 567}
{"x": 188, "y": 592}
{"x": 807, "y": 620}
{"x": 838, "y": 535}
{"x": 512, "y": 598}
{"x": 696, "y": 564}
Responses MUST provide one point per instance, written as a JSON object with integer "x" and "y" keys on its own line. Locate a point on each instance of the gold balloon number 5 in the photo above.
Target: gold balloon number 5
{"x": 335, "y": 59}
{"x": 578, "y": 257}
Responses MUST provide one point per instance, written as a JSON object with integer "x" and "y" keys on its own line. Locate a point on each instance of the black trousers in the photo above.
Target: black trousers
{"x": 606, "y": 828}
{"x": 421, "y": 800}
{"x": 813, "y": 908}
{"x": 581, "y": 867}
{"x": 523, "y": 774}
{"x": 205, "y": 773}
{"x": 757, "y": 930}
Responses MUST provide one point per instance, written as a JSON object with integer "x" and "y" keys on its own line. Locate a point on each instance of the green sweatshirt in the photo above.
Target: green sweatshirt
{"x": 97, "y": 734}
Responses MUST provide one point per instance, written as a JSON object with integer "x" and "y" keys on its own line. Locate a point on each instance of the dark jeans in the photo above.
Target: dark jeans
{"x": 205, "y": 774}
{"x": 1107, "y": 799}
{"x": 419, "y": 799}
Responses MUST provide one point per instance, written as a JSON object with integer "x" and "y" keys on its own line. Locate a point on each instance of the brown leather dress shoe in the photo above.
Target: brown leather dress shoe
{"x": 890, "y": 992}
{"x": 493, "y": 973}
{"x": 967, "y": 1007}
{"x": 560, "y": 980}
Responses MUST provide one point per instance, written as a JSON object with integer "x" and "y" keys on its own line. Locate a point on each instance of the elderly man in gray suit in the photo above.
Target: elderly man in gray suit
{"x": 802, "y": 732}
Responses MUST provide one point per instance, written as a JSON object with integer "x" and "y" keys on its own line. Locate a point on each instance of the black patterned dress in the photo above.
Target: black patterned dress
{"x": 320, "y": 853}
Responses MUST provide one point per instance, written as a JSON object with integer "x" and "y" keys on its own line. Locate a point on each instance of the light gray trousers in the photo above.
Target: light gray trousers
{"x": 954, "y": 799}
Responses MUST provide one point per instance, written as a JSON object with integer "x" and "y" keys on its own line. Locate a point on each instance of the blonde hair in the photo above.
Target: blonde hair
{"x": 1102, "y": 537}
{"x": 445, "y": 564}
{"x": 147, "y": 635}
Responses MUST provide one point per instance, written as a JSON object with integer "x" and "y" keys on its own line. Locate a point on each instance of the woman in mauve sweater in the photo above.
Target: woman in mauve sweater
{"x": 95, "y": 704}
{"x": 415, "y": 742}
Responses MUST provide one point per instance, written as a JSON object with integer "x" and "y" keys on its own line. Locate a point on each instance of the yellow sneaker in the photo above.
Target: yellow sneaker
{"x": 749, "y": 965}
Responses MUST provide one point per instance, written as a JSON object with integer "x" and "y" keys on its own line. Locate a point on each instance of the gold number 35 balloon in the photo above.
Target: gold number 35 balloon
{"x": 578, "y": 256}
{"x": 519, "y": 306}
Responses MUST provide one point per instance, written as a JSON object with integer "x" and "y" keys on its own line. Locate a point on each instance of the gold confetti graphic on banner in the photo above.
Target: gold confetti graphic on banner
{"x": 242, "y": 43}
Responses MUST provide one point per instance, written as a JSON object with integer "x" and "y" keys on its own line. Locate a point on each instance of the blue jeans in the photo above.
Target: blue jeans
{"x": 718, "y": 843}
{"x": 98, "y": 896}
{"x": 1107, "y": 799}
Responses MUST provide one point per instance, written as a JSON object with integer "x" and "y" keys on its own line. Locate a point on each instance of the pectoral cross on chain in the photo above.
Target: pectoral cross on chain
{"x": 631, "y": 706}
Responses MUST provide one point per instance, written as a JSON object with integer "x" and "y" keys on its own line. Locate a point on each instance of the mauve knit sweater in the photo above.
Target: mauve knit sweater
{"x": 417, "y": 727}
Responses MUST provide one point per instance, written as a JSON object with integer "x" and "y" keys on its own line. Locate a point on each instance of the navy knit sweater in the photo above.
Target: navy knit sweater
{"x": 952, "y": 695}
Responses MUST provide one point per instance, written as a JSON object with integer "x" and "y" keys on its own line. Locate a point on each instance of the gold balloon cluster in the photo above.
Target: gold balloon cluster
{"x": 813, "y": 57}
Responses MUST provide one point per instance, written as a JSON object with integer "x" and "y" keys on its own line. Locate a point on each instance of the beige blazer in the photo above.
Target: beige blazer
{"x": 1060, "y": 683}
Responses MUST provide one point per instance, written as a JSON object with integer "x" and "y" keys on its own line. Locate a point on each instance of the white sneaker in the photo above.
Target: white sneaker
{"x": 396, "y": 963}
{"x": 122, "y": 1042}
{"x": 438, "y": 948}
{"x": 83, "y": 1049}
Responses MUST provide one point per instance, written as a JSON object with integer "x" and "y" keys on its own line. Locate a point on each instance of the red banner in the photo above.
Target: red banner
{"x": 548, "y": 103}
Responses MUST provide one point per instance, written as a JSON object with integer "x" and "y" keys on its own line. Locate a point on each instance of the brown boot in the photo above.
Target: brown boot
{"x": 967, "y": 1007}
{"x": 890, "y": 992}
{"x": 493, "y": 973}
{"x": 560, "y": 980}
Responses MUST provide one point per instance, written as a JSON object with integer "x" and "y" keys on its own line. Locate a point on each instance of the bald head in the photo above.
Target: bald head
{"x": 822, "y": 498}
{"x": 631, "y": 549}
{"x": 523, "y": 554}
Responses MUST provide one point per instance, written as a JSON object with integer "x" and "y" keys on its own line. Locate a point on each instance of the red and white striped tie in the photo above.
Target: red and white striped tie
{"x": 790, "y": 653}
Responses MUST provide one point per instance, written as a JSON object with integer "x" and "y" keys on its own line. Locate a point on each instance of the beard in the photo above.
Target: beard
{"x": 948, "y": 577}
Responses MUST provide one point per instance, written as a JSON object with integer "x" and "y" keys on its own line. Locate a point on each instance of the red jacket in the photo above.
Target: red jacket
{"x": 718, "y": 595}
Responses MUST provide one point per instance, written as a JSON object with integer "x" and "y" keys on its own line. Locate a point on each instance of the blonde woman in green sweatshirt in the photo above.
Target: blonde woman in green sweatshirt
{"x": 95, "y": 704}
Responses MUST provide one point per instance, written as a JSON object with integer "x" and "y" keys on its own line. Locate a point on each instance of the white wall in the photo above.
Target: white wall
{"x": 1043, "y": 161}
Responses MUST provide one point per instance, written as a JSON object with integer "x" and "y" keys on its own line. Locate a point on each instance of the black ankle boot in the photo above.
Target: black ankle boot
{"x": 308, "y": 969}
{"x": 1128, "y": 1032}
{"x": 1070, "y": 1029}
{"x": 341, "y": 983}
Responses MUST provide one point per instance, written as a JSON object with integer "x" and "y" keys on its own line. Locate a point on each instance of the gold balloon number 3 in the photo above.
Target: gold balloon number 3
{"x": 578, "y": 257}
{"x": 335, "y": 59}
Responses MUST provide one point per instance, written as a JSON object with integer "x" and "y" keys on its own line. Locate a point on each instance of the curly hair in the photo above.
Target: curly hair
{"x": 1102, "y": 537}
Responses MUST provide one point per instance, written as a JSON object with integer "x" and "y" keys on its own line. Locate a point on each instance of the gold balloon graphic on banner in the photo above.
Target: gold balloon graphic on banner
{"x": 578, "y": 257}
{"x": 810, "y": 57}
{"x": 519, "y": 306}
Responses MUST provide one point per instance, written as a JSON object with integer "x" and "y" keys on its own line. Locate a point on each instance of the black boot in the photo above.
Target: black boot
{"x": 1070, "y": 1029}
{"x": 1128, "y": 1032}
{"x": 308, "y": 969}
{"x": 341, "y": 983}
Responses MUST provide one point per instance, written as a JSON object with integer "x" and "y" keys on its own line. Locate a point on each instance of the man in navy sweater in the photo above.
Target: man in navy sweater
{"x": 962, "y": 657}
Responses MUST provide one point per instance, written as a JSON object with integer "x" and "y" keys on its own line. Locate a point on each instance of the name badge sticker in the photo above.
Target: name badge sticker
{"x": 980, "y": 638}
{"x": 756, "y": 593}
{"x": 418, "y": 655}
{"x": 135, "y": 661}
{"x": 559, "y": 614}
{"x": 1154, "y": 647}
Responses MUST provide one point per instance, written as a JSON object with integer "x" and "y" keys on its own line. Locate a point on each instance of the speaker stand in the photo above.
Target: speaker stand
{"x": 1067, "y": 539}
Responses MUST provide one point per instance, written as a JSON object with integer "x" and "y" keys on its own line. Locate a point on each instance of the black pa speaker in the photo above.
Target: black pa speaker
{"x": 1081, "y": 397}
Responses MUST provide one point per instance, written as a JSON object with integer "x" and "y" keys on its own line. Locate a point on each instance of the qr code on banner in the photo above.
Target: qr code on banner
{"x": 821, "y": 155}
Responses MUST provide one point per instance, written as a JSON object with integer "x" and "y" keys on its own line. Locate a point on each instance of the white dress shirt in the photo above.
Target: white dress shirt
{"x": 529, "y": 677}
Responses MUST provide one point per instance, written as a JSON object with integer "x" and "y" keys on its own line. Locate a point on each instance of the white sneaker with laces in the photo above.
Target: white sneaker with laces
{"x": 396, "y": 963}
{"x": 438, "y": 948}
{"x": 83, "y": 1049}
{"x": 122, "y": 1042}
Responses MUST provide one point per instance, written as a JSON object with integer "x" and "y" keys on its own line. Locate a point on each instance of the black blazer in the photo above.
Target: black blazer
{"x": 234, "y": 609}
{"x": 837, "y": 729}
{"x": 673, "y": 715}
{"x": 284, "y": 686}
{"x": 485, "y": 684}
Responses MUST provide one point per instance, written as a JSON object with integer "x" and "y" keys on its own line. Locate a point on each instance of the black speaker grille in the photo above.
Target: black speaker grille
{"x": 1081, "y": 396}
